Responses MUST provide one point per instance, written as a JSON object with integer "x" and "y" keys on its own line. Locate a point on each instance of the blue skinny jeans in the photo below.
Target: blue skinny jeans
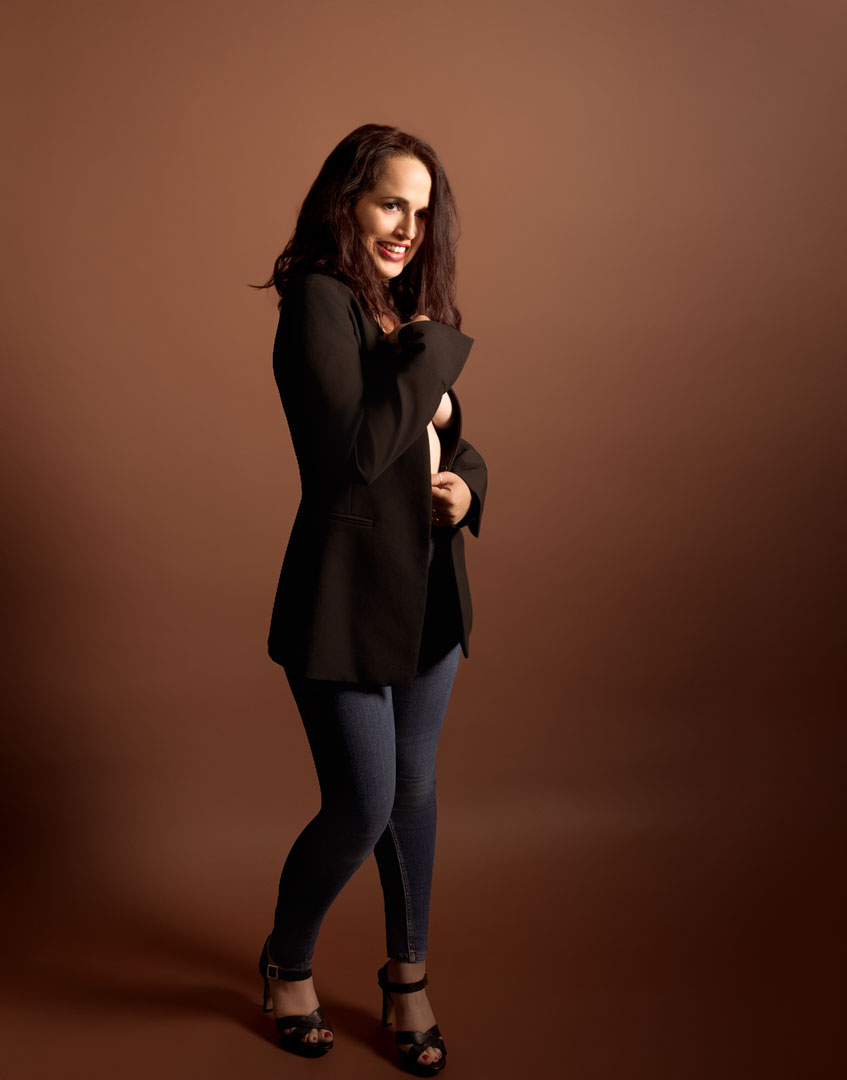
{"x": 374, "y": 752}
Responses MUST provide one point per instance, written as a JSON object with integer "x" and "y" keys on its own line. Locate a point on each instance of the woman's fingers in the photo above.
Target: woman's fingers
{"x": 451, "y": 498}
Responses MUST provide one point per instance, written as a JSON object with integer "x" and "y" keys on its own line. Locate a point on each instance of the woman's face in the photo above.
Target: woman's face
{"x": 392, "y": 216}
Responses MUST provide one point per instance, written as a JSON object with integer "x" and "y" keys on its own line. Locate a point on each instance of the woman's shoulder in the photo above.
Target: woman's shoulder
{"x": 320, "y": 298}
{"x": 317, "y": 286}
{"x": 322, "y": 308}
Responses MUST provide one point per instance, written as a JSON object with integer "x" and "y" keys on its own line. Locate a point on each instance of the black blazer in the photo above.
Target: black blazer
{"x": 352, "y": 590}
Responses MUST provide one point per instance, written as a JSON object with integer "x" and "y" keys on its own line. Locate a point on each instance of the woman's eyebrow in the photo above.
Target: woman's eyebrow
{"x": 400, "y": 199}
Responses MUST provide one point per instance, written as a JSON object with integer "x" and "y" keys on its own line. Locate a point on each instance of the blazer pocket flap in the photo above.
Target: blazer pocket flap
{"x": 351, "y": 519}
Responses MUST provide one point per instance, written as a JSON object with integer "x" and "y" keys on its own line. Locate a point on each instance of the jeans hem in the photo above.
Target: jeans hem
{"x": 409, "y": 957}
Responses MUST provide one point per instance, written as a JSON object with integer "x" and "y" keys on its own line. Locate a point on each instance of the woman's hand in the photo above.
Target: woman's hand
{"x": 392, "y": 337}
{"x": 451, "y": 498}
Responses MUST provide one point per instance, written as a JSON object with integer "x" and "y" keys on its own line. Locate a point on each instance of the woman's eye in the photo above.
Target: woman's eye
{"x": 390, "y": 205}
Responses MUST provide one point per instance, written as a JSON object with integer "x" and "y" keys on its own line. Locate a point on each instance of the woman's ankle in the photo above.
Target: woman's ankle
{"x": 405, "y": 971}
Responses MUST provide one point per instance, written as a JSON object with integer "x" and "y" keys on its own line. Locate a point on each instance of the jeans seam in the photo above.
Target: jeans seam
{"x": 407, "y": 897}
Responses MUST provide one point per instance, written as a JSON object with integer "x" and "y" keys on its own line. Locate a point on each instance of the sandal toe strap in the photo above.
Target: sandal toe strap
{"x": 422, "y": 1039}
{"x": 315, "y": 1019}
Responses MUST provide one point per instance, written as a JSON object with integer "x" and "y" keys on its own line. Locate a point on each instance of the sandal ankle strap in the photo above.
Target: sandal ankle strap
{"x": 399, "y": 988}
{"x": 274, "y": 971}
{"x": 269, "y": 970}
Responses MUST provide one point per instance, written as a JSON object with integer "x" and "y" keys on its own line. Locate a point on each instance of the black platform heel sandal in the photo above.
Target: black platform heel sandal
{"x": 292, "y": 1040}
{"x": 420, "y": 1040}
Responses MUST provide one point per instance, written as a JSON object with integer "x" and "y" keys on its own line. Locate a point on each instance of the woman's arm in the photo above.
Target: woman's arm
{"x": 358, "y": 426}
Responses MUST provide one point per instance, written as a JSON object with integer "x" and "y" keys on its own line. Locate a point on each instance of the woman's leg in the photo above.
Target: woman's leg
{"x": 351, "y": 735}
{"x": 406, "y": 849}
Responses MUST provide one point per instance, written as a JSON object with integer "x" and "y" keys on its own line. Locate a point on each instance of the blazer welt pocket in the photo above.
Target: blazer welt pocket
{"x": 352, "y": 519}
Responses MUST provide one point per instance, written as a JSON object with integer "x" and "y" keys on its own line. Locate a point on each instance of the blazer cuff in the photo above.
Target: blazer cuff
{"x": 448, "y": 347}
{"x": 473, "y": 517}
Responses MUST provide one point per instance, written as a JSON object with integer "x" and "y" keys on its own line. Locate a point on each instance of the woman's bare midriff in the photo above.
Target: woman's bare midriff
{"x": 434, "y": 447}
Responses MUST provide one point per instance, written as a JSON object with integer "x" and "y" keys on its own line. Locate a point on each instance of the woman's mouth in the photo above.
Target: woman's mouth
{"x": 394, "y": 252}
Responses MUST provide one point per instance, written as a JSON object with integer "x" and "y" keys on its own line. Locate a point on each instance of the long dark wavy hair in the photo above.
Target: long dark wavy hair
{"x": 326, "y": 238}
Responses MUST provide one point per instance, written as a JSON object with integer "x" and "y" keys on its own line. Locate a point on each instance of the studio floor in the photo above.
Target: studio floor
{"x": 584, "y": 945}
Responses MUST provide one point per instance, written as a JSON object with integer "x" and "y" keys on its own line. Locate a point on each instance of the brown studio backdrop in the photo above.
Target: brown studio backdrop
{"x": 638, "y": 778}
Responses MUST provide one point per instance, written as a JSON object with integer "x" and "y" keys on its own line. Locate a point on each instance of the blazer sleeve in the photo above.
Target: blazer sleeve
{"x": 358, "y": 417}
{"x": 469, "y": 464}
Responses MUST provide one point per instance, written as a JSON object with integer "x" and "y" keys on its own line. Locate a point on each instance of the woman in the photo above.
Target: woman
{"x": 373, "y": 607}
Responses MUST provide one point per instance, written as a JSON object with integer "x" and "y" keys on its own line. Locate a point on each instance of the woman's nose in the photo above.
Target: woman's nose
{"x": 406, "y": 226}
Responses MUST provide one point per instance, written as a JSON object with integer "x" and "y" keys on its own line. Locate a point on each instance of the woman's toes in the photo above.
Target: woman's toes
{"x": 313, "y": 1035}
